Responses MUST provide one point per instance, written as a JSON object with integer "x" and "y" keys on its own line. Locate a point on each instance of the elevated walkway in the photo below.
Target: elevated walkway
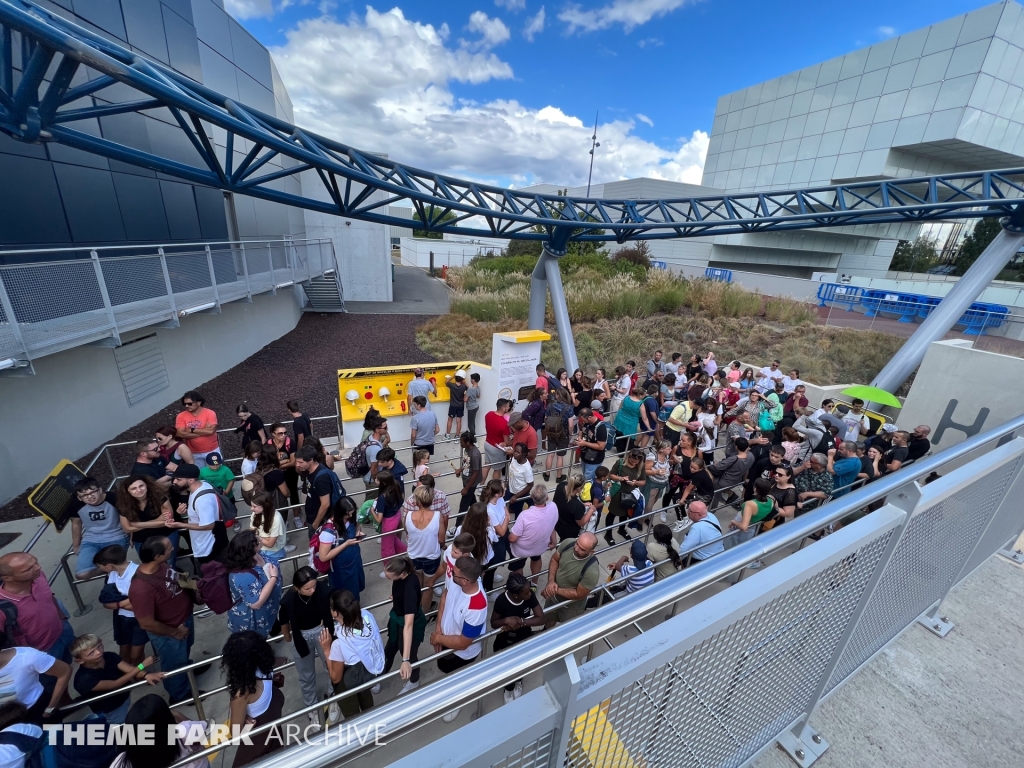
{"x": 60, "y": 300}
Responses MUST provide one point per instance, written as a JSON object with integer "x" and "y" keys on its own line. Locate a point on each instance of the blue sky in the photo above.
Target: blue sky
{"x": 493, "y": 90}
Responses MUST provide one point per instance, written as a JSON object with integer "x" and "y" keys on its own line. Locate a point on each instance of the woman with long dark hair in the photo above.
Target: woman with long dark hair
{"x": 387, "y": 509}
{"x": 268, "y": 524}
{"x": 250, "y": 426}
{"x": 478, "y": 525}
{"x": 172, "y": 450}
{"x": 161, "y": 751}
{"x": 406, "y": 622}
{"x": 356, "y": 654}
{"x": 339, "y": 545}
{"x": 492, "y": 496}
{"x": 255, "y": 586}
{"x": 760, "y": 508}
{"x": 305, "y": 611}
{"x": 663, "y": 553}
{"x": 269, "y": 466}
{"x": 145, "y": 511}
{"x": 248, "y": 665}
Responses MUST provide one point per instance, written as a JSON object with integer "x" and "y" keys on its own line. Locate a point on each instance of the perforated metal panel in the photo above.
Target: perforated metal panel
{"x": 1008, "y": 521}
{"x": 931, "y": 553}
{"x": 141, "y": 366}
{"x": 534, "y": 755}
{"x": 723, "y": 699}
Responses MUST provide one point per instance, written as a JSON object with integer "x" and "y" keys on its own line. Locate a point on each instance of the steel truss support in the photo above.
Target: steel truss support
{"x": 547, "y": 279}
{"x": 967, "y": 289}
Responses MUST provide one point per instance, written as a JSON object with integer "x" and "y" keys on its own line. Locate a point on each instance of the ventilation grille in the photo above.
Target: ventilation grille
{"x": 141, "y": 366}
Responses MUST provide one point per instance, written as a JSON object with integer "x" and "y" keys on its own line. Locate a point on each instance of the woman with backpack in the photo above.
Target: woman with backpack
{"x": 336, "y": 546}
{"x": 536, "y": 408}
{"x": 627, "y": 475}
{"x": 557, "y": 428}
{"x": 386, "y": 510}
{"x": 255, "y": 586}
{"x": 248, "y": 664}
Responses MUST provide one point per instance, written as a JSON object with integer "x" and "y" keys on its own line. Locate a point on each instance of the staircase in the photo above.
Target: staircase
{"x": 325, "y": 293}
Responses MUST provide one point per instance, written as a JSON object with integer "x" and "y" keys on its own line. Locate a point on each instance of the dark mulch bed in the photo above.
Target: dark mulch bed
{"x": 301, "y": 365}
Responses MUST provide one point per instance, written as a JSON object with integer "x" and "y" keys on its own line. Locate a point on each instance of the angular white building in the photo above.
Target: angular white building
{"x": 941, "y": 99}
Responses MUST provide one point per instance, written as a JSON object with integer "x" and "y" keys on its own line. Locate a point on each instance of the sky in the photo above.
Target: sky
{"x": 506, "y": 91}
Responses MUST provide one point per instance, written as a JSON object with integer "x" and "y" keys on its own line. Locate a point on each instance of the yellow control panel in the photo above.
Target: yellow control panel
{"x": 359, "y": 389}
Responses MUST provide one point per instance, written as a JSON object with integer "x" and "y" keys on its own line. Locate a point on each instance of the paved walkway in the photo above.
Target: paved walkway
{"x": 415, "y": 293}
{"x": 942, "y": 703}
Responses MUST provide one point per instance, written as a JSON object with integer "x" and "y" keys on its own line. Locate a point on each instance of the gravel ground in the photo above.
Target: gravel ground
{"x": 301, "y": 365}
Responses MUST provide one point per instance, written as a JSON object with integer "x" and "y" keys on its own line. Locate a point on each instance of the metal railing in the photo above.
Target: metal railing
{"x": 65, "y": 301}
{"x": 727, "y": 678}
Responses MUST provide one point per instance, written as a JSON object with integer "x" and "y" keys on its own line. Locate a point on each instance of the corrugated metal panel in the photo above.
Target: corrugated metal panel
{"x": 141, "y": 366}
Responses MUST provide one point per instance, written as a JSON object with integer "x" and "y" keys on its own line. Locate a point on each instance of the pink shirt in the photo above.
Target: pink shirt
{"x": 733, "y": 375}
{"x": 533, "y": 527}
{"x": 40, "y": 623}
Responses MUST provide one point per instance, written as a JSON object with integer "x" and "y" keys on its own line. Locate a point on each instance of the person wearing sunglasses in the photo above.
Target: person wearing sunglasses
{"x": 197, "y": 426}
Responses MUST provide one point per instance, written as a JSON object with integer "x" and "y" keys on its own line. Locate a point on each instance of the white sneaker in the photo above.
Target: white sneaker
{"x": 289, "y": 547}
{"x": 438, "y": 589}
{"x": 450, "y": 716}
{"x": 376, "y": 689}
{"x": 664, "y": 516}
{"x": 508, "y": 696}
{"x": 498, "y": 578}
{"x": 409, "y": 685}
{"x": 517, "y": 691}
{"x": 682, "y": 525}
{"x": 333, "y": 713}
{"x": 314, "y": 721}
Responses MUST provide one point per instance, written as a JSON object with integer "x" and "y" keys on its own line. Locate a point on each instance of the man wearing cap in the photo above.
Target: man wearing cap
{"x": 208, "y": 535}
{"x": 217, "y": 475}
{"x": 418, "y": 387}
{"x": 520, "y": 431}
{"x": 457, "y": 396}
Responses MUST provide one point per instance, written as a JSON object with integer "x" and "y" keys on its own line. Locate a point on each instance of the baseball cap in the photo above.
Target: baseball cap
{"x": 187, "y": 471}
{"x": 213, "y": 459}
{"x": 890, "y": 428}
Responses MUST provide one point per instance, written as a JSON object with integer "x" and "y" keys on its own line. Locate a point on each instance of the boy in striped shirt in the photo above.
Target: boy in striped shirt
{"x": 633, "y": 569}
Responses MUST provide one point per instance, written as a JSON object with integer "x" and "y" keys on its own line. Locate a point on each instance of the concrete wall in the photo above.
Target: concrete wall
{"x": 959, "y": 385}
{"x": 363, "y": 248}
{"x": 76, "y": 401}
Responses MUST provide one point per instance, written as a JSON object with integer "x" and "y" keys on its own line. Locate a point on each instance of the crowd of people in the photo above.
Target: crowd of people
{"x": 706, "y": 442}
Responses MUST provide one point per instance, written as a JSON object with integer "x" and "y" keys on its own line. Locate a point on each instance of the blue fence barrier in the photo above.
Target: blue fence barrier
{"x": 979, "y": 317}
{"x": 722, "y": 275}
{"x": 659, "y": 265}
{"x": 905, "y": 305}
{"x": 839, "y": 294}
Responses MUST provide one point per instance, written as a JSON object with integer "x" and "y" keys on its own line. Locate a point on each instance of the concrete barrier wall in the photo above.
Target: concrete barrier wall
{"x": 76, "y": 401}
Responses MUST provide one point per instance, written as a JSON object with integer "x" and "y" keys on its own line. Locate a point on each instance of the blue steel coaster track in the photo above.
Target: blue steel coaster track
{"x": 59, "y": 81}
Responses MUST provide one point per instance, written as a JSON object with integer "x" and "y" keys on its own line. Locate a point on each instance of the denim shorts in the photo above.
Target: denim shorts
{"x": 87, "y": 551}
{"x": 429, "y": 566}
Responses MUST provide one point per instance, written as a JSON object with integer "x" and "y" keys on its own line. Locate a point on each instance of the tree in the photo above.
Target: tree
{"x": 431, "y": 213}
{"x": 918, "y": 255}
{"x": 984, "y": 233}
{"x": 638, "y": 252}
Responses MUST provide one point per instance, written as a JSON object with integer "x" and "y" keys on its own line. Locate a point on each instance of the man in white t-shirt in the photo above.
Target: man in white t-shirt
{"x": 767, "y": 377}
{"x": 19, "y": 680}
{"x": 520, "y": 479}
{"x": 203, "y": 513}
{"x": 856, "y": 421}
{"x": 463, "y": 615}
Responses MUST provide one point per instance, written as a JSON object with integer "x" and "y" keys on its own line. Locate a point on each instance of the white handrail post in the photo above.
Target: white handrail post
{"x": 106, "y": 297}
{"x": 169, "y": 287}
{"x": 213, "y": 279}
{"x": 245, "y": 271}
{"x": 12, "y": 320}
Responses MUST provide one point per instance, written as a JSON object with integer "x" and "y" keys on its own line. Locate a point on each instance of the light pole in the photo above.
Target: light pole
{"x": 594, "y": 145}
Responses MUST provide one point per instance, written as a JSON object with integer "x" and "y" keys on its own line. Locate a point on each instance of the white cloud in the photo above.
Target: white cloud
{"x": 534, "y": 25}
{"x": 644, "y": 119}
{"x": 653, "y": 42}
{"x": 346, "y": 82}
{"x": 492, "y": 31}
{"x": 250, "y": 9}
{"x": 629, "y": 13}
{"x": 886, "y": 31}
{"x": 513, "y": 5}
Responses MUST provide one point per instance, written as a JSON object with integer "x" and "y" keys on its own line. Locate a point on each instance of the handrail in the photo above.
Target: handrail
{"x": 143, "y": 246}
{"x": 475, "y": 681}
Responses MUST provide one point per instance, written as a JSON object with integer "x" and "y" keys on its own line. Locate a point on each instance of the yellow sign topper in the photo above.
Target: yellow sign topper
{"x": 54, "y": 498}
{"x": 359, "y": 389}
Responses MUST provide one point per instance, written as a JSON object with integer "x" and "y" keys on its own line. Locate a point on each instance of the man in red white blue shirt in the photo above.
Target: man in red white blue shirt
{"x": 463, "y": 615}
